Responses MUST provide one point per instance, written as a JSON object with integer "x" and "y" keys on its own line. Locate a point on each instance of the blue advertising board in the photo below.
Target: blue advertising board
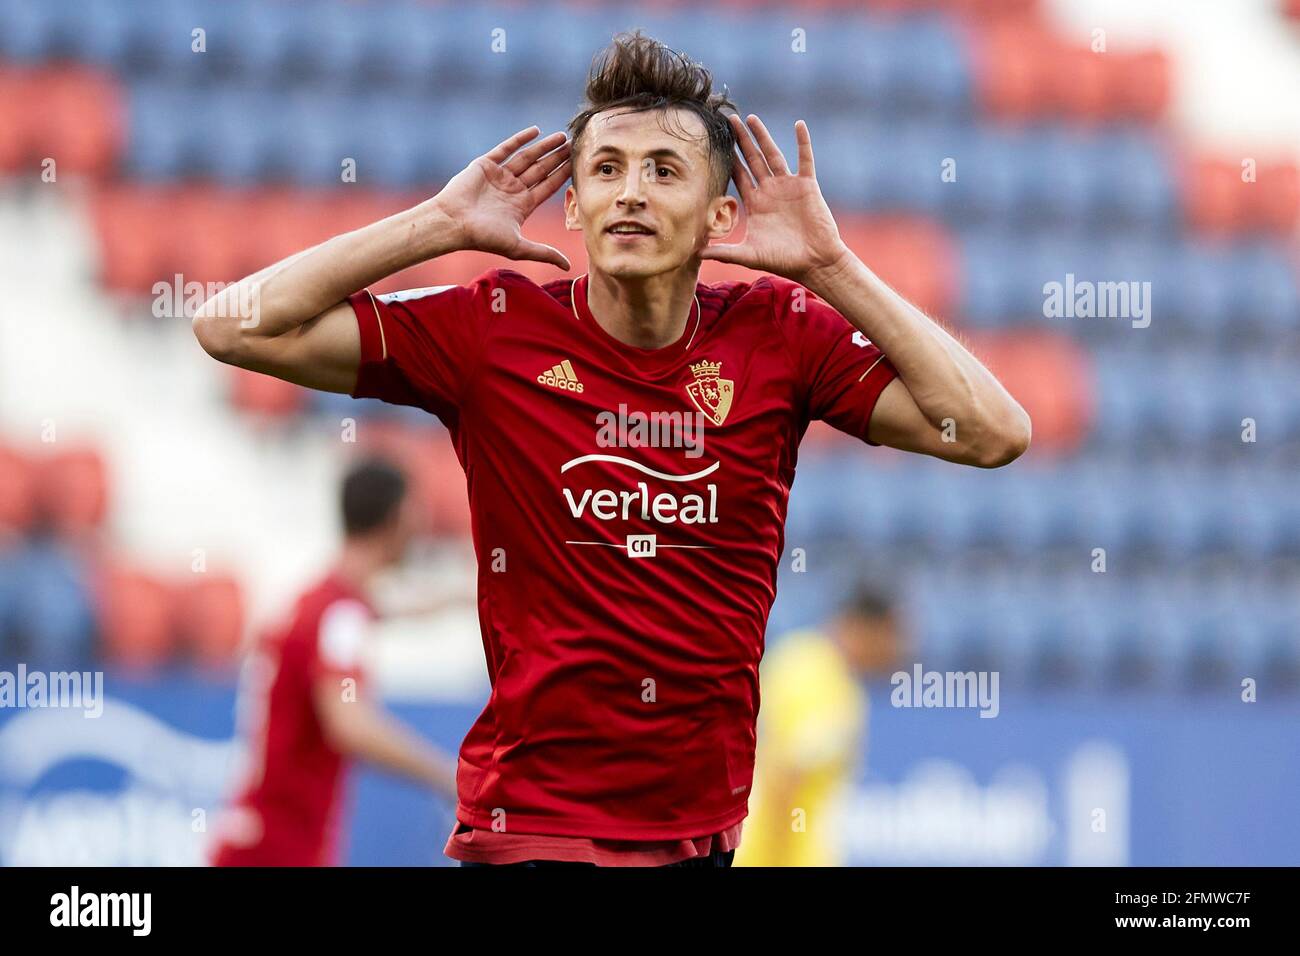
{"x": 1052, "y": 780}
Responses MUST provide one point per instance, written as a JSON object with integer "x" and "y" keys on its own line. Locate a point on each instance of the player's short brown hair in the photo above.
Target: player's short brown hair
{"x": 637, "y": 73}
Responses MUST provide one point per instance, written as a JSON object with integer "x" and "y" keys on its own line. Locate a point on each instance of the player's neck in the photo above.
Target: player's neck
{"x": 644, "y": 313}
{"x": 358, "y": 563}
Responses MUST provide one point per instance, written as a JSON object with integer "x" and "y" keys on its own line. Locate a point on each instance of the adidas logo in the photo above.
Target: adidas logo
{"x": 561, "y": 376}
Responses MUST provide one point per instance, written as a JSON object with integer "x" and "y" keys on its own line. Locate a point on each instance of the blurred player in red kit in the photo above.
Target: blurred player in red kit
{"x": 305, "y": 708}
{"x": 629, "y": 438}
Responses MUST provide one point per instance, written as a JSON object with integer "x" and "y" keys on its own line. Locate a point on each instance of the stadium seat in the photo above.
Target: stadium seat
{"x": 1051, "y": 377}
{"x": 50, "y": 613}
{"x": 1011, "y": 58}
{"x": 1214, "y": 197}
{"x": 264, "y": 396}
{"x": 131, "y": 242}
{"x": 209, "y": 616}
{"x": 1140, "y": 87}
{"x": 135, "y": 615}
{"x": 18, "y": 491}
{"x": 74, "y": 490}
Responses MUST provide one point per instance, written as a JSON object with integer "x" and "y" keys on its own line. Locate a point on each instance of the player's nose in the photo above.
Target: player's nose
{"x": 633, "y": 191}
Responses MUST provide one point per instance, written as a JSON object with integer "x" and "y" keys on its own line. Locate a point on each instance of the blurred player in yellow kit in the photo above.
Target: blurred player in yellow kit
{"x": 812, "y": 732}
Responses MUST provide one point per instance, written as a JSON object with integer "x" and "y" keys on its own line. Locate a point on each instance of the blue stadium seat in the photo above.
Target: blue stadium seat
{"x": 844, "y": 169}
{"x": 240, "y": 133}
{"x": 929, "y": 67}
{"x": 1206, "y": 277}
{"x": 1060, "y": 186}
{"x": 989, "y": 177}
{"x": 31, "y": 31}
{"x": 1265, "y": 288}
{"x": 1135, "y": 182}
{"x": 986, "y": 296}
{"x": 53, "y": 611}
{"x": 159, "y": 142}
{"x": 401, "y": 43}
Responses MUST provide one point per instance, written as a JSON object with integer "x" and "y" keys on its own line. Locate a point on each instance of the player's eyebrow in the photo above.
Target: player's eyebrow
{"x": 663, "y": 152}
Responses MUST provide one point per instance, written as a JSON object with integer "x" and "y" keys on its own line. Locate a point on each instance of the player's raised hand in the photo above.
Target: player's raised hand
{"x": 789, "y": 228}
{"x": 491, "y": 197}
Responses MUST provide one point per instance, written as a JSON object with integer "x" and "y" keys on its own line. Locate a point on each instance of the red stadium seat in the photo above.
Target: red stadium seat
{"x": 285, "y": 221}
{"x": 1051, "y": 376}
{"x": 914, "y": 255}
{"x": 1215, "y": 199}
{"x": 17, "y": 114}
{"x": 74, "y": 491}
{"x": 209, "y": 618}
{"x": 984, "y": 9}
{"x": 135, "y": 614}
{"x": 72, "y": 115}
{"x": 1079, "y": 82}
{"x": 264, "y": 395}
{"x": 211, "y": 226}
{"x": 129, "y": 222}
{"x": 18, "y": 483}
{"x": 1012, "y": 63}
{"x": 81, "y": 120}
{"x": 1141, "y": 84}
{"x": 1274, "y": 205}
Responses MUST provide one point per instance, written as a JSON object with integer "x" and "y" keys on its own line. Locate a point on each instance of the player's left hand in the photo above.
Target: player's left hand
{"x": 789, "y": 228}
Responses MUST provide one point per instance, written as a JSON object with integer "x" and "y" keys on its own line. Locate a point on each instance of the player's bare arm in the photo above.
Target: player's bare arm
{"x": 944, "y": 402}
{"x": 291, "y": 320}
{"x": 359, "y": 729}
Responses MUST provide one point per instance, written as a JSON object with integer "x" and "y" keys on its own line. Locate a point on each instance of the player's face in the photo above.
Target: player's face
{"x": 642, "y": 193}
{"x": 872, "y": 644}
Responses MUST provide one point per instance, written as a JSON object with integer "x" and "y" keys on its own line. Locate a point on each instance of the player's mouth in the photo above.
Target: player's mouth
{"x": 628, "y": 230}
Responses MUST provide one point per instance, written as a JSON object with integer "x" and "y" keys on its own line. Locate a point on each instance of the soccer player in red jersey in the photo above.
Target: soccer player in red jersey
{"x": 305, "y": 708}
{"x": 629, "y": 438}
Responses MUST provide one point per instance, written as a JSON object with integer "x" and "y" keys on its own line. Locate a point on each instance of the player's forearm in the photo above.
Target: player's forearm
{"x": 375, "y": 737}
{"x": 947, "y": 382}
{"x": 289, "y": 293}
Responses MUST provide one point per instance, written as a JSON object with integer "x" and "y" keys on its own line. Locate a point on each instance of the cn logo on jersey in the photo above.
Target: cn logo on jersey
{"x": 712, "y": 395}
{"x": 561, "y": 376}
{"x": 641, "y": 545}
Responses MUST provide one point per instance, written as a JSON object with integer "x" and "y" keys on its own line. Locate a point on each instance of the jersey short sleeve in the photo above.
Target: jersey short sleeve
{"x": 839, "y": 370}
{"x": 422, "y": 347}
{"x": 340, "y": 640}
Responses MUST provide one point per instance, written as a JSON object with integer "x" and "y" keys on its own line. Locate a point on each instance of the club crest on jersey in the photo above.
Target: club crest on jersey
{"x": 712, "y": 395}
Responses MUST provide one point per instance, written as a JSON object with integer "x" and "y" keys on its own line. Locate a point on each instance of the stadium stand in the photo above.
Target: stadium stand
{"x": 973, "y": 154}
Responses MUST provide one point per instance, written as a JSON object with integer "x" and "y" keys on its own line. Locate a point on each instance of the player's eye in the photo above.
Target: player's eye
{"x": 664, "y": 172}
{"x": 605, "y": 169}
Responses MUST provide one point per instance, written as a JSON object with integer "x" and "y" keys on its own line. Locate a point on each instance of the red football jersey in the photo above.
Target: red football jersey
{"x": 628, "y": 510}
{"x": 287, "y": 806}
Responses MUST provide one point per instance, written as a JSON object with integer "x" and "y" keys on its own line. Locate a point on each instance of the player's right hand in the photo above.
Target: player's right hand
{"x": 490, "y": 198}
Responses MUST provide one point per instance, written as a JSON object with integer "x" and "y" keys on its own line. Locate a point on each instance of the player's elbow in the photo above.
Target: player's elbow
{"x": 222, "y": 324}
{"x": 212, "y": 336}
{"x": 1006, "y": 441}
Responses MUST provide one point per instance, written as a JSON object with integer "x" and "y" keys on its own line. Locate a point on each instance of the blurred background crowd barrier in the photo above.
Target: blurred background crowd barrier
{"x": 1124, "y": 578}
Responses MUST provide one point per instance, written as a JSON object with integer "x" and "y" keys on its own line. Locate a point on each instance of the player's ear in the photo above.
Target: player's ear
{"x": 724, "y": 213}
{"x": 571, "y": 220}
